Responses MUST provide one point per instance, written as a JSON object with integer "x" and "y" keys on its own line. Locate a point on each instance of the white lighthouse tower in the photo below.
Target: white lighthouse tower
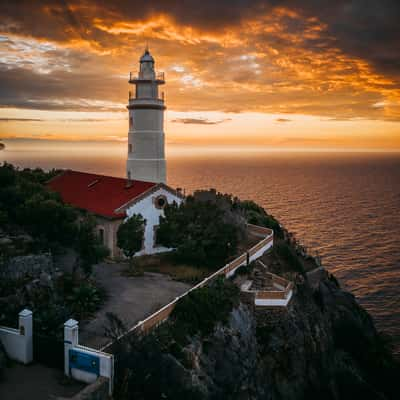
{"x": 146, "y": 155}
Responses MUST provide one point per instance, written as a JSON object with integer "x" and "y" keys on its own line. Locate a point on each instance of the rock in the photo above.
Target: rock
{"x": 319, "y": 347}
{"x": 5, "y": 241}
{"x": 32, "y": 265}
{"x": 45, "y": 279}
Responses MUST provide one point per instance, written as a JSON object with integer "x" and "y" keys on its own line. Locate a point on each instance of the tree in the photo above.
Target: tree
{"x": 130, "y": 235}
{"x": 89, "y": 248}
{"x": 200, "y": 231}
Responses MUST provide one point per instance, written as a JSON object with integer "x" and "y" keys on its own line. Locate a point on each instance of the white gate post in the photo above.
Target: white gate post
{"x": 71, "y": 330}
{"x": 25, "y": 326}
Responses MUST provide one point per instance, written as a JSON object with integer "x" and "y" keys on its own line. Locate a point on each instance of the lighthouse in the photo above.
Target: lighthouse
{"x": 146, "y": 155}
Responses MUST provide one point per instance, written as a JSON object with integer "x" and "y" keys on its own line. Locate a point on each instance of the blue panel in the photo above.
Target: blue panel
{"x": 84, "y": 361}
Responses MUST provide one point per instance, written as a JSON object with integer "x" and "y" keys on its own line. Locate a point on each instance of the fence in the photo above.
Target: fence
{"x": 279, "y": 295}
{"x": 18, "y": 343}
{"x": 228, "y": 270}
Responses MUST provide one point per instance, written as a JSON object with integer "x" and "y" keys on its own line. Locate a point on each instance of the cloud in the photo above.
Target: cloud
{"x": 283, "y": 120}
{"x": 331, "y": 59}
{"x": 199, "y": 121}
{"x": 2, "y": 146}
{"x": 20, "y": 119}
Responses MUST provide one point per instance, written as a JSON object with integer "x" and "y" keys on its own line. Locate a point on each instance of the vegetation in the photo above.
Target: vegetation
{"x": 65, "y": 297}
{"x": 130, "y": 235}
{"x": 27, "y": 206}
{"x": 166, "y": 263}
{"x": 146, "y": 370}
{"x": 256, "y": 215}
{"x": 202, "y": 309}
{"x": 89, "y": 248}
{"x": 288, "y": 256}
{"x": 199, "y": 231}
{"x": 29, "y": 210}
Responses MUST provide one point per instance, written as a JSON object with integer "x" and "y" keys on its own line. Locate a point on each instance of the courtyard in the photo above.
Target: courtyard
{"x": 130, "y": 298}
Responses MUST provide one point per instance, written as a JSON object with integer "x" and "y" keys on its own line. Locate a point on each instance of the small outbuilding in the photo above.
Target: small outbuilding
{"x": 112, "y": 200}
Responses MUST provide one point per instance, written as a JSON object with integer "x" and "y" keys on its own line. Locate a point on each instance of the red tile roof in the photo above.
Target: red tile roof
{"x": 99, "y": 194}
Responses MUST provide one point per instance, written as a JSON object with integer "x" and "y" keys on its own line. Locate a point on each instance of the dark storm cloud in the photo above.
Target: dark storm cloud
{"x": 369, "y": 29}
{"x": 199, "y": 121}
{"x": 24, "y": 88}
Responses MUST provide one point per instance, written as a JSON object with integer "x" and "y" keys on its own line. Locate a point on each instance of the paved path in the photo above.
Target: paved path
{"x": 36, "y": 382}
{"x": 131, "y": 298}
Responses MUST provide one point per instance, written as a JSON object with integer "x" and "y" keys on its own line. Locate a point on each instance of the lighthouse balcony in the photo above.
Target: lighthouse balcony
{"x": 135, "y": 77}
{"x": 146, "y": 102}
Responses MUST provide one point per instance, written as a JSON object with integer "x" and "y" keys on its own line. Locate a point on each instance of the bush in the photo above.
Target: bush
{"x": 256, "y": 215}
{"x": 199, "y": 312}
{"x": 199, "y": 232}
{"x": 287, "y": 254}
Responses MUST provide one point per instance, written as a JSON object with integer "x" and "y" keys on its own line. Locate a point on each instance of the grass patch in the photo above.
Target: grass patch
{"x": 166, "y": 264}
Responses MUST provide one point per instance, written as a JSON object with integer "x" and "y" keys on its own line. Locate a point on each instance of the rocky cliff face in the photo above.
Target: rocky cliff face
{"x": 323, "y": 346}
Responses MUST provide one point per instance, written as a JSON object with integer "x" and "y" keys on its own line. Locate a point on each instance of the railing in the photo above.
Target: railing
{"x": 159, "y": 97}
{"x": 268, "y": 296}
{"x": 228, "y": 270}
{"x": 139, "y": 76}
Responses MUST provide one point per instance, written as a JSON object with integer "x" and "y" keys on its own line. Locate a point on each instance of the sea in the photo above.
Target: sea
{"x": 345, "y": 205}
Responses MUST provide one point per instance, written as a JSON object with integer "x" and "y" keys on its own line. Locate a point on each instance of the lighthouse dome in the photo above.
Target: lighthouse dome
{"x": 146, "y": 57}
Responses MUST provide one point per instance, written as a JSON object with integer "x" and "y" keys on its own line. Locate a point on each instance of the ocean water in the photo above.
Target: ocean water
{"x": 345, "y": 205}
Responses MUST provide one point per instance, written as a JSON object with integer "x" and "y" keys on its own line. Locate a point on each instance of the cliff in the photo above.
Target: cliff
{"x": 324, "y": 345}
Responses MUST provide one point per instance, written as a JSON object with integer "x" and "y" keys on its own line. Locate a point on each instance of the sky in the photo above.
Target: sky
{"x": 316, "y": 74}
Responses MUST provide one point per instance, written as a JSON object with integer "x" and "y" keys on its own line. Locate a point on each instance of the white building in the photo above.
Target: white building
{"x": 146, "y": 156}
{"x": 112, "y": 200}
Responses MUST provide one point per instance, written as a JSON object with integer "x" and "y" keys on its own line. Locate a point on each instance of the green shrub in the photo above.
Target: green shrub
{"x": 284, "y": 251}
{"x": 202, "y": 309}
{"x": 256, "y": 215}
{"x": 200, "y": 232}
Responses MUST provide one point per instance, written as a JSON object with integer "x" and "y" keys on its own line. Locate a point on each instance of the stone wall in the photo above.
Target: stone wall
{"x": 32, "y": 265}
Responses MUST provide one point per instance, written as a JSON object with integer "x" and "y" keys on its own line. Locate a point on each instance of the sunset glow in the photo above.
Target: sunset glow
{"x": 278, "y": 77}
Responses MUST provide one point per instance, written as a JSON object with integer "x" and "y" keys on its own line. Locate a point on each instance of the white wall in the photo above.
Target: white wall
{"x": 18, "y": 343}
{"x": 71, "y": 341}
{"x": 151, "y": 214}
{"x": 252, "y": 258}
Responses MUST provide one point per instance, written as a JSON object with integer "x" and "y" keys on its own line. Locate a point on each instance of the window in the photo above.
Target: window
{"x": 130, "y": 123}
{"x": 101, "y": 235}
{"x": 129, "y": 148}
{"x": 160, "y": 201}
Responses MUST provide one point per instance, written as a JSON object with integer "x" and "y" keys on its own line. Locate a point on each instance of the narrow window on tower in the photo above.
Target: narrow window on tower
{"x": 130, "y": 123}
{"x": 129, "y": 148}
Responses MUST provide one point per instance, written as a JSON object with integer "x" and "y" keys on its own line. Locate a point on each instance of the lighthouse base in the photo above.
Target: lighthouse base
{"x": 148, "y": 170}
